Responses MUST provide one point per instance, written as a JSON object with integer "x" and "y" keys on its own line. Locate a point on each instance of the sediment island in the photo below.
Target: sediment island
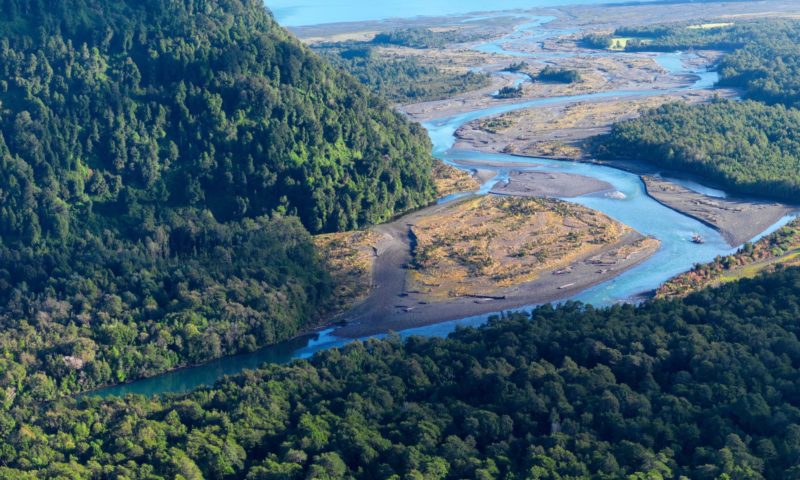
{"x": 566, "y": 95}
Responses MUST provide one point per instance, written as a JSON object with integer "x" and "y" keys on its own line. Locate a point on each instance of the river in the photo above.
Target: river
{"x": 634, "y": 208}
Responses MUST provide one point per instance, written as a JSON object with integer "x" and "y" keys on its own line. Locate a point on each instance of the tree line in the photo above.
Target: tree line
{"x": 746, "y": 146}
{"x": 749, "y": 147}
{"x": 702, "y": 388}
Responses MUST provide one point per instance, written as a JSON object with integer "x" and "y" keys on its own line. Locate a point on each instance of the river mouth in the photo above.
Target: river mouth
{"x": 629, "y": 203}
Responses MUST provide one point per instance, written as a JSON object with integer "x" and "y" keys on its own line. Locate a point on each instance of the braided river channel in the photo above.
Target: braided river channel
{"x": 633, "y": 207}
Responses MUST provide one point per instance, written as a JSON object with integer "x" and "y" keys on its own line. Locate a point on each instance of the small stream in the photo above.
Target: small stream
{"x": 630, "y": 205}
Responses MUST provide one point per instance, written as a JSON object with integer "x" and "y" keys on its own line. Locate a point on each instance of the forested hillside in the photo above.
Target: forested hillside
{"x": 704, "y": 388}
{"x": 746, "y": 146}
{"x": 749, "y": 147}
{"x": 161, "y": 163}
{"x": 399, "y": 79}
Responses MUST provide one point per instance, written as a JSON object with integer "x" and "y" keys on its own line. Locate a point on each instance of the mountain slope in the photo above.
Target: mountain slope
{"x": 160, "y": 164}
{"x": 202, "y": 103}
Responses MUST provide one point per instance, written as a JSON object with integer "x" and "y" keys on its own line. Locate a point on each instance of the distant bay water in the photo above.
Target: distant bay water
{"x": 295, "y": 13}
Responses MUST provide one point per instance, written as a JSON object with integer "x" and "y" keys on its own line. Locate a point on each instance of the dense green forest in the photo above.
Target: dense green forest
{"x": 161, "y": 164}
{"x": 703, "y": 388}
{"x": 424, "y": 37}
{"x": 746, "y": 146}
{"x": 768, "y": 69}
{"x": 558, "y": 75}
{"x": 399, "y": 79}
{"x": 749, "y": 147}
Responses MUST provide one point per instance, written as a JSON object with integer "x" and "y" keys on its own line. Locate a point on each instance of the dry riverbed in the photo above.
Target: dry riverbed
{"x": 593, "y": 249}
{"x": 562, "y": 130}
{"x": 737, "y": 220}
{"x": 631, "y": 71}
{"x": 550, "y": 184}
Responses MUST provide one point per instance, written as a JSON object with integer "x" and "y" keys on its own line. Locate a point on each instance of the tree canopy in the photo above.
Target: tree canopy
{"x": 745, "y": 146}
{"x": 161, "y": 164}
{"x": 703, "y": 388}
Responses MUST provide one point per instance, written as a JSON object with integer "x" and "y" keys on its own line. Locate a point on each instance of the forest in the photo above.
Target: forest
{"x": 558, "y": 75}
{"x": 162, "y": 164}
{"x": 398, "y": 79}
{"x": 566, "y": 392}
{"x": 747, "y": 146}
{"x": 424, "y": 37}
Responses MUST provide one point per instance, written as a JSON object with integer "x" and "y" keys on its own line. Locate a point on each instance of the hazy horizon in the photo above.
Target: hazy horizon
{"x": 289, "y": 14}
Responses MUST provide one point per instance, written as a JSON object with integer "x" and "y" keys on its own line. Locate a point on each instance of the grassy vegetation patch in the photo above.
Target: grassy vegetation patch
{"x": 489, "y": 243}
{"x": 450, "y": 180}
{"x": 349, "y": 258}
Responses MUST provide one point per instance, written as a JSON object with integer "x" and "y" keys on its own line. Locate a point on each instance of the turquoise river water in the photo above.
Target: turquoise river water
{"x": 633, "y": 207}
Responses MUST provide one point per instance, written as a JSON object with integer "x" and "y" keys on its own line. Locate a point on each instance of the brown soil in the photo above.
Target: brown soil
{"x": 487, "y": 244}
{"x": 550, "y": 184}
{"x": 396, "y": 304}
{"x": 737, "y": 220}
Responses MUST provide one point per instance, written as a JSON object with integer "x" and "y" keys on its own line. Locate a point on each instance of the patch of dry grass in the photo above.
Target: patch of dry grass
{"x": 489, "y": 243}
{"x": 547, "y": 150}
{"x": 576, "y": 115}
{"x": 561, "y": 131}
{"x": 350, "y": 258}
{"x": 450, "y": 180}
